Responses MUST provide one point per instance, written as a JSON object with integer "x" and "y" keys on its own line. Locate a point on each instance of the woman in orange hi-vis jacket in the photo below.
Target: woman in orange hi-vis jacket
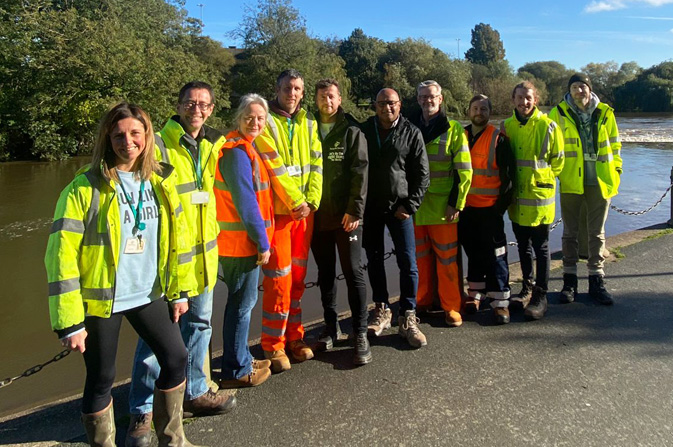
{"x": 245, "y": 216}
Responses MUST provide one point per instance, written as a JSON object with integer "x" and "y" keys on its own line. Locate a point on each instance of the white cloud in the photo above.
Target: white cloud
{"x": 612, "y": 5}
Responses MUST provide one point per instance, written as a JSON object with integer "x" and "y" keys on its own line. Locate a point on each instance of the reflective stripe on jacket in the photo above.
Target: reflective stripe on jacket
{"x": 83, "y": 248}
{"x": 233, "y": 239}
{"x": 485, "y": 186}
{"x": 538, "y": 150}
{"x": 303, "y": 155}
{"x": 448, "y": 154}
{"x": 607, "y": 149}
{"x": 201, "y": 217}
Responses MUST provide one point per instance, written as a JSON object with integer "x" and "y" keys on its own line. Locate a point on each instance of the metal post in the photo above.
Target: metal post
{"x": 670, "y": 221}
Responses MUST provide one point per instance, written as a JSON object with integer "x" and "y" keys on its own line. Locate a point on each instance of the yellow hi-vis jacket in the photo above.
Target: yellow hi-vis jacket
{"x": 83, "y": 248}
{"x": 295, "y": 166}
{"x": 538, "y": 149}
{"x": 607, "y": 144}
{"x": 448, "y": 154}
{"x": 202, "y": 217}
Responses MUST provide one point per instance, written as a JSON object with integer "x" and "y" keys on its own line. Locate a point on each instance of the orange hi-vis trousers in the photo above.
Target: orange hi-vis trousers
{"x": 283, "y": 282}
{"x": 437, "y": 259}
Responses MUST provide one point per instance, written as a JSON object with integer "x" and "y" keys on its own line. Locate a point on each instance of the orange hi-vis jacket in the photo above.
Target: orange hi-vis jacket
{"x": 233, "y": 239}
{"x": 485, "y": 186}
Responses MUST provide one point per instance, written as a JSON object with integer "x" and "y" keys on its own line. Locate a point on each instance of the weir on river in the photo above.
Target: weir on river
{"x": 29, "y": 194}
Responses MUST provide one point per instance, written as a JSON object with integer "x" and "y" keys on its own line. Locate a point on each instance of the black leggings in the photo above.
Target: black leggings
{"x": 153, "y": 324}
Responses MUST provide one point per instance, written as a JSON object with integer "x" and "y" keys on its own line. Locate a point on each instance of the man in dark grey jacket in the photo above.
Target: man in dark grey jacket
{"x": 337, "y": 221}
{"x": 398, "y": 179}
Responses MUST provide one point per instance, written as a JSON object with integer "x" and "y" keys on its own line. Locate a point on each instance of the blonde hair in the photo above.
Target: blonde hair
{"x": 104, "y": 158}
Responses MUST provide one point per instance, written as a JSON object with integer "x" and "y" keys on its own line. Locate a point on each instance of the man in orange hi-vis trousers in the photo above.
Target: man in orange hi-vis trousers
{"x": 291, "y": 150}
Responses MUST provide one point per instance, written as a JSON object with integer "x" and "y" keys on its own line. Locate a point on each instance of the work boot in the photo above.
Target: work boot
{"x": 597, "y": 290}
{"x": 381, "y": 320}
{"x": 139, "y": 433}
{"x": 261, "y": 364}
{"x": 299, "y": 350}
{"x": 208, "y": 404}
{"x": 253, "y": 378}
{"x": 168, "y": 417}
{"x": 569, "y": 291}
{"x": 328, "y": 337}
{"x": 523, "y": 298}
{"x": 100, "y": 427}
{"x": 363, "y": 353}
{"x": 408, "y": 329}
{"x": 279, "y": 360}
{"x": 501, "y": 315}
{"x": 538, "y": 304}
{"x": 453, "y": 318}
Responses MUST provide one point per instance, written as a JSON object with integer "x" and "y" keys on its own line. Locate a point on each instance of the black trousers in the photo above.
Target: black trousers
{"x": 349, "y": 246}
{"x": 534, "y": 239}
{"x": 153, "y": 324}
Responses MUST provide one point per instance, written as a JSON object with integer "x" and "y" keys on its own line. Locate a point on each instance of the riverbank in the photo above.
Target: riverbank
{"x": 585, "y": 375}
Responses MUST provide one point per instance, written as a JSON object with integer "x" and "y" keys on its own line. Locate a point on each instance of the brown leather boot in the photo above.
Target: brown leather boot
{"x": 100, "y": 427}
{"x": 279, "y": 360}
{"x": 300, "y": 350}
{"x": 139, "y": 433}
{"x": 209, "y": 404}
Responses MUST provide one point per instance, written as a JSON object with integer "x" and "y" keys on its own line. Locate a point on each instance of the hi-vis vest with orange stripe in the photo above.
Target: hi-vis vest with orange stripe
{"x": 485, "y": 186}
{"x": 233, "y": 239}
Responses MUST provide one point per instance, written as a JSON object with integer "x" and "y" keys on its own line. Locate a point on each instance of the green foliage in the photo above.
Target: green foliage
{"x": 486, "y": 45}
{"x": 362, "y": 55}
{"x": 606, "y": 77}
{"x": 650, "y": 91}
{"x": 496, "y": 81}
{"x": 550, "y": 78}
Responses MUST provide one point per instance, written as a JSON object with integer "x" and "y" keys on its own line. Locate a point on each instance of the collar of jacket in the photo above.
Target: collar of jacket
{"x": 533, "y": 116}
{"x": 438, "y": 125}
{"x": 276, "y": 108}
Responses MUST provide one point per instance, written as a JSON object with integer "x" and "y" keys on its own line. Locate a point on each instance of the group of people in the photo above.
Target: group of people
{"x": 139, "y": 232}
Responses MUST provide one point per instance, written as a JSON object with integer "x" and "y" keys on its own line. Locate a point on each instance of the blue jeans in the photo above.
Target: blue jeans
{"x": 402, "y": 234}
{"x": 241, "y": 275}
{"x": 196, "y": 331}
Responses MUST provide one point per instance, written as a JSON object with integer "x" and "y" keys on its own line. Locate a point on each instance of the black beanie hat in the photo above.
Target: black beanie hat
{"x": 580, "y": 77}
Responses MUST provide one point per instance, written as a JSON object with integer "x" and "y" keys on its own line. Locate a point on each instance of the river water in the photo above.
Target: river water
{"x": 29, "y": 191}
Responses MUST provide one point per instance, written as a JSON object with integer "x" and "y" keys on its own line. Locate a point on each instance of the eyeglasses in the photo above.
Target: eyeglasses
{"x": 387, "y": 103}
{"x": 190, "y": 105}
{"x": 426, "y": 97}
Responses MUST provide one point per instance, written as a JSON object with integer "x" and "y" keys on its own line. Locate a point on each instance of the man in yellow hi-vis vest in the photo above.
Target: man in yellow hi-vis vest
{"x": 590, "y": 176}
{"x": 291, "y": 150}
{"x": 537, "y": 143}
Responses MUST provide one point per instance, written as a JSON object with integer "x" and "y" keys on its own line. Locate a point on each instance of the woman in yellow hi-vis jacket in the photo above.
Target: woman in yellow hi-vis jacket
{"x": 112, "y": 253}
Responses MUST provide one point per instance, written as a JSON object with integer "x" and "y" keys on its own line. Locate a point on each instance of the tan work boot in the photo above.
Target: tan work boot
{"x": 408, "y": 328}
{"x": 279, "y": 360}
{"x": 453, "y": 318}
{"x": 381, "y": 320}
{"x": 100, "y": 427}
{"x": 261, "y": 364}
{"x": 300, "y": 350}
{"x": 139, "y": 433}
{"x": 254, "y": 378}
{"x": 168, "y": 417}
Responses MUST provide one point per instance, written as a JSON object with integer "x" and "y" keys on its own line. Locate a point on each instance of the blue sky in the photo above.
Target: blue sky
{"x": 573, "y": 32}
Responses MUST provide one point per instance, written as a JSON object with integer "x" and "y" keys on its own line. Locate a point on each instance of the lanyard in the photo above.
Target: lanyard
{"x": 139, "y": 225}
{"x": 290, "y": 127}
{"x": 198, "y": 171}
{"x": 378, "y": 137}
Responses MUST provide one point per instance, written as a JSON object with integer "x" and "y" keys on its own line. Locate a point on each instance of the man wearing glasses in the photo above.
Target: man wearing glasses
{"x": 436, "y": 220}
{"x": 192, "y": 148}
{"x": 398, "y": 178}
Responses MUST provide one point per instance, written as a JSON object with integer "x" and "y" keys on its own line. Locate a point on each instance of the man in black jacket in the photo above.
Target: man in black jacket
{"x": 337, "y": 221}
{"x": 398, "y": 178}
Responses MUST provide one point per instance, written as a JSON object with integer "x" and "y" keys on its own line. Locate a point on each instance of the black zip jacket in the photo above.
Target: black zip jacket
{"x": 344, "y": 177}
{"x": 399, "y": 174}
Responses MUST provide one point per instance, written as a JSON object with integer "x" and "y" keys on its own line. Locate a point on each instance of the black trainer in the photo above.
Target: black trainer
{"x": 328, "y": 337}
{"x": 538, "y": 304}
{"x": 569, "y": 291}
{"x": 363, "y": 353}
{"x": 598, "y": 291}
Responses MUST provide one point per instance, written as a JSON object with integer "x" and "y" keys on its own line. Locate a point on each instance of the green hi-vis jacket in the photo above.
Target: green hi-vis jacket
{"x": 83, "y": 248}
{"x": 448, "y": 155}
{"x": 292, "y": 154}
{"x": 538, "y": 149}
{"x": 201, "y": 217}
{"x": 607, "y": 147}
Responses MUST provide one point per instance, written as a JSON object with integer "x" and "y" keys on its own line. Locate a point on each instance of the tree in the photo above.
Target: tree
{"x": 486, "y": 45}
{"x": 362, "y": 55}
{"x": 496, "y": 81}
{"x": 606, "y": 77}
{"x": 553, "y": 75}
{"x": 650, "y": 91}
